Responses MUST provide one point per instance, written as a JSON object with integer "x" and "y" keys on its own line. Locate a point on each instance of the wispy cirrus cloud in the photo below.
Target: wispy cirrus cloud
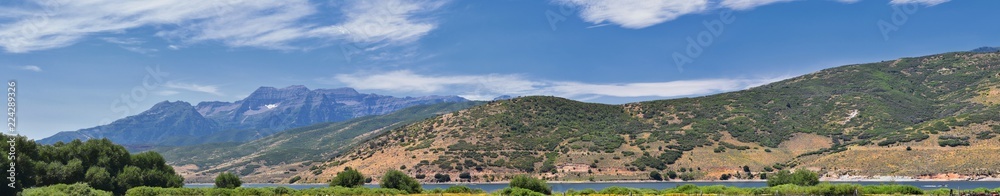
{"x": 485, "y": 87}
{"x": 748, "y": 4}
{"x": 33, "y": 68}
{"x": 637, "y": 14}
{"x": 210, "y": 89}
{"x": 282, "y": 25}
{"x": 924, "y": 2}
{"x": 387, "y": 20}
{"x": 130, "y": 44}
{"x": 166, "y": 92}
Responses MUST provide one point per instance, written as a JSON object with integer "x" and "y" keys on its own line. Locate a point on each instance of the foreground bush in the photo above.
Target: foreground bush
{"x": 64, "y": 189}
{"x": 514, "y": 191}
{"x": 715, "y": 189}
{"x": 801, "y": 177}
{"x": 893, "y": 189}
{"x": 350, "y": 191}
{"x": 227, "y": 180}
{"x": 533, "y": 184}
{"x": 617, "y": 190}
{"x": 395, "y": 179}
{"x": 455, "y": 189}
{"x": 348, "y": 178}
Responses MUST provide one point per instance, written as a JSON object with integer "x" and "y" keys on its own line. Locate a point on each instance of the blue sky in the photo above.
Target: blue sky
{"x": 85, "y": 63}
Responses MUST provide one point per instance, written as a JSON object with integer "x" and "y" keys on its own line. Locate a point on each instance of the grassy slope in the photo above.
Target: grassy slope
{"x": 906, "y": 101}
{"x": 271, "y": 156}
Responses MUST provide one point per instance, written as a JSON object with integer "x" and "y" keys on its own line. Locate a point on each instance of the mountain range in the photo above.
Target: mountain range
{"x": 930, "y": 117}
{"x": 270, "y": 159}
{"x": 264, "y": 112}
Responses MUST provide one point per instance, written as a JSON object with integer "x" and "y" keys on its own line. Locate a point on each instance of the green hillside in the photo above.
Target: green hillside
{"x": 883, "y": 104}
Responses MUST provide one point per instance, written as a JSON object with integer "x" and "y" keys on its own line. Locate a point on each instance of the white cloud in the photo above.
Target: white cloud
{"x": 130, "y": 44}
{"x": 123, "y": 41}
{"x": 748, "y": 4}
{"x": 485, "y": 87}
{"x": 635, "y": 14}
{"x": 166, "y": 92}
{"x": 387, "y": 20}
{"x": 283, "y": 25}
{"x": 925, "y": 2}
{"x": 29, "y": 68}
{"x": 210, "y": 89}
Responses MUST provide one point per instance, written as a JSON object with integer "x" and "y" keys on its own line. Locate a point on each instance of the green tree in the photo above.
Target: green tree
{"x": 782, "y": 177}
{"x": 129, "y": 177}
{"x": 149, "y": 160}
{"x": 100, "y": 163}
{"x": 804, "y": 177}
{"x": 348, "y": 178}
{"x": 99, "y": 178}
{"x": 533, "y": 184}
{"x": 655, "y": 176}
{"x": 672, "y": 174}
{"x": 395, "y": 179}
{"x": 227, "y": 180}
{"x": 801, "y": 177}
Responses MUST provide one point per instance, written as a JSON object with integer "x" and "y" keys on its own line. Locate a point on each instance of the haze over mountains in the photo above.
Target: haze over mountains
{"x": 264, "y": 112}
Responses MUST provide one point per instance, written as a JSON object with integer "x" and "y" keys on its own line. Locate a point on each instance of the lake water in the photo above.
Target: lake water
{"x": 561, "y": 187}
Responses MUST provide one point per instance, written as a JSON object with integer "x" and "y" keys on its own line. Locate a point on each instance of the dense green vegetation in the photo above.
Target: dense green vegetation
{"x": 455, "y": 189}
{"x": 227, "y": 180}
{"x": 348, "y": 178}
{"x": 529, "y": 183}
{"x": 99, "y": 163}
{"x": 65, "y": 189}
{"x": 885, "y": 104}
{"x": 395, "y": 179}
{"x": 801, "y": 177}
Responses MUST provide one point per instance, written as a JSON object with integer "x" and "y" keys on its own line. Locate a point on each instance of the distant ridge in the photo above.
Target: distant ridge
{"x": 265, "y": 111}
{"x": 986, "y": 49}
{"x": 503, "y": 97}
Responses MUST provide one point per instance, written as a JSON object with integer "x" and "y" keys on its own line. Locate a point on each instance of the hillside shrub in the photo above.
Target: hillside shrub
{"x": 654, "y": 175}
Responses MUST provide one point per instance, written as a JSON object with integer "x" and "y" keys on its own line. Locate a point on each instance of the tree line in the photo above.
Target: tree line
{"x": 99, "y": 163}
